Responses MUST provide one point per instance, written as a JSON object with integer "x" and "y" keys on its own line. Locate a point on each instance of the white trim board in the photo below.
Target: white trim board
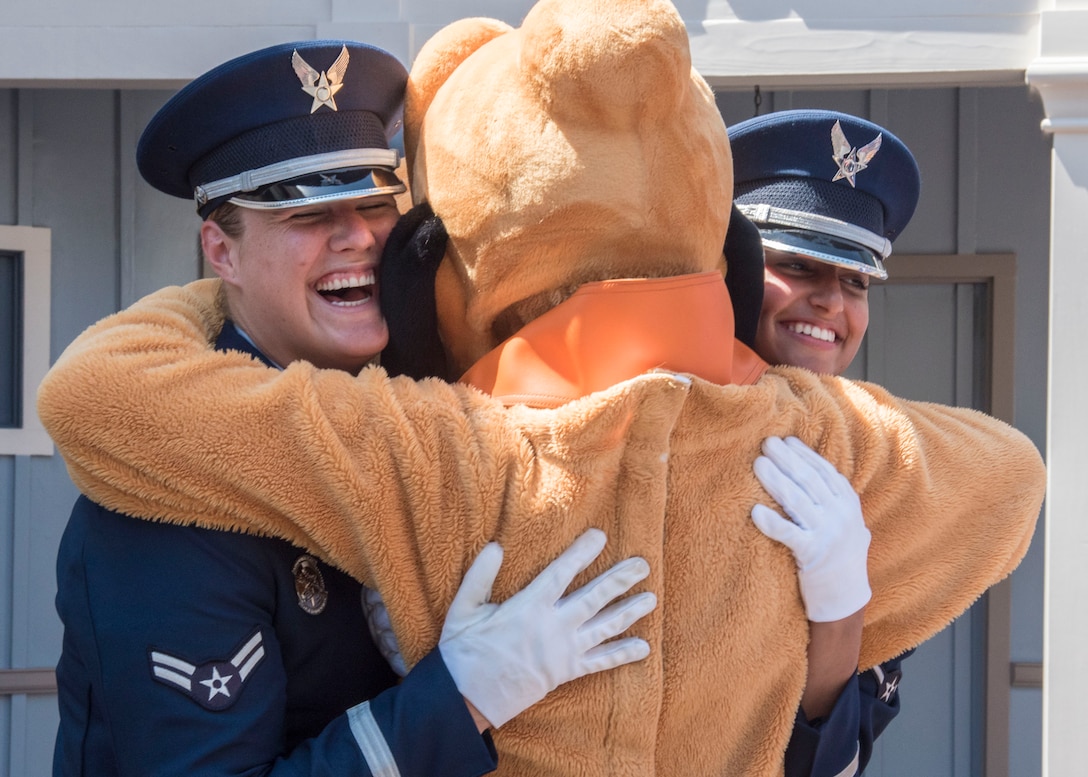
{"x": 34, "y": 243}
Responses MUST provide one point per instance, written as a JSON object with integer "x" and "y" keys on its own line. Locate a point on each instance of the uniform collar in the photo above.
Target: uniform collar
{"x": 232, "y": 338}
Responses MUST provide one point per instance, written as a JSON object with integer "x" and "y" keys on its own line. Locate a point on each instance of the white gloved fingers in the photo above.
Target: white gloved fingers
{"x": 828, "y": 536}
{"x": 381, "y": 630}
{"x": 616, "y": 619}
{"x": 506, "y": 657}
{"x": 799, "y": 469}
{"x": 396, "y": 662}
{"x": 615, "y": 653}
{"x": 475, "y": 591}
{"x": 588, "y": 600}
{"x": 558, "y": 575}
{"x": 797, "y": 503}
{"x": 778, "y": 528}
{"x": 841, "y": 500}
{"x": 376, "y": 613}
{"x": 829, "y": 540}
{"x": 835, "y": 481}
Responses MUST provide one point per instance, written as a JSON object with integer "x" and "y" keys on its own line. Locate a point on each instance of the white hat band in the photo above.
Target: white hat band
{"x": 251, "y": 180}
{"x": 767, "y": 214}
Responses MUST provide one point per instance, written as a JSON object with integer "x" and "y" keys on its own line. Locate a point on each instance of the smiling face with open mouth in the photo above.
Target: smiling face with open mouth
{"x": 814, "y": 314}
{"x": 302, "y": 282}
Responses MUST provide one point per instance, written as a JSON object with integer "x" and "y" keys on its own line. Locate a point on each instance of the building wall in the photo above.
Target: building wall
{"x": 959, "y": 41}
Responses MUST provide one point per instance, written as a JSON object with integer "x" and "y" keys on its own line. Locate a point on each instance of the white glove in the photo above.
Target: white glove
{"x": 377, "y": 620}
{"x": 828, "y": 535}
{"x": 506, "y": 657}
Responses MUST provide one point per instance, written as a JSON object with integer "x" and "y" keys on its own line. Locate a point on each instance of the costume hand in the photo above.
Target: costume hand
{"x": 506, "y": 657}
{"x": 406, "y": 277}
{"x": 828, "y": 535}
{"x": 744, "y": 275}
{"x": 377, "y": 620}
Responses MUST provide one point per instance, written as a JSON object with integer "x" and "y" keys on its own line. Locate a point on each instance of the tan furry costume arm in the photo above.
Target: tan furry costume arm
{"x": 950, "y": 495}
{"x": 400, "y": 483}
{"x": 398, "y": 432}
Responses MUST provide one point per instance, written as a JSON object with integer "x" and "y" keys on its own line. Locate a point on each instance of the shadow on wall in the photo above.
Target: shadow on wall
{"x": 819, "y": 14}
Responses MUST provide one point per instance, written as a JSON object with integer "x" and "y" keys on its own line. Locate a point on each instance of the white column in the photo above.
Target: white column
{"x": 1061, "y": 76}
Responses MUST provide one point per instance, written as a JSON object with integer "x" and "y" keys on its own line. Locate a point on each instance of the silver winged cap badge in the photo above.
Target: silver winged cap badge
{"x": 321, "y": 85}
{"x": 851, "y": 161}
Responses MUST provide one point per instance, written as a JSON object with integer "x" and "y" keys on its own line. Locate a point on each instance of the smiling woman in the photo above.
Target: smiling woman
{"x": 299, "y": 281}
{"x": 814, "y": 314}
{"x": 829, "y": 192}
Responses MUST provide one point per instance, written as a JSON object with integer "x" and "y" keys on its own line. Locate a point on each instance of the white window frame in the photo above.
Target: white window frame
{"x": 35, "y": 246}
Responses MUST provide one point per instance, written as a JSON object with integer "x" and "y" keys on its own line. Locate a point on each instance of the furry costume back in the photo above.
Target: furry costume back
{"x": 402, "y": 483}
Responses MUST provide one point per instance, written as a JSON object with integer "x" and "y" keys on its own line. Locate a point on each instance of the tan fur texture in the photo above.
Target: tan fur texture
{"x": 579, "y": 146}
{"x": 401, "y": 484}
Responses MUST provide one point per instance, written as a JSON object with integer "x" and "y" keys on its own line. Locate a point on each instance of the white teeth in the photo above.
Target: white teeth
{"x": 826, "y": 335}
{"x": 353, "y": 281}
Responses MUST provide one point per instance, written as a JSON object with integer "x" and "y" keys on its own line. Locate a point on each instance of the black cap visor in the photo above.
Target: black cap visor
{"x": 825, "y": 248}
{"x": 325, "y": 186}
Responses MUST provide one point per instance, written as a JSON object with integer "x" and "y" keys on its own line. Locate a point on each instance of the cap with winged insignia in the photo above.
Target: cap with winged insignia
{"x": 280, "y": 127}
{"x": 850, "y": 160}
{"x": 825, "y": 184}
{"x": 320, "y": 85}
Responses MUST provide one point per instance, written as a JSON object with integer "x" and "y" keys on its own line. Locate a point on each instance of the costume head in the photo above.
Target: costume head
{"x": 578, "y": 147}
{"x": 825, "y": 185}
{"x": 284, "y": 126}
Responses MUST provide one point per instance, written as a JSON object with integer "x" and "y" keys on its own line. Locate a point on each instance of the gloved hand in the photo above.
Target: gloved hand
{"x": 381, "y": 629}
{"x": 828, "y": 535}
{"x": 506, "y": 657}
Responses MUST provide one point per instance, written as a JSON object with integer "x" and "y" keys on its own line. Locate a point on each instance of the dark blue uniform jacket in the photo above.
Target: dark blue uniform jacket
{"x": 196, "y": 652}
{"x": 841, "y": 744}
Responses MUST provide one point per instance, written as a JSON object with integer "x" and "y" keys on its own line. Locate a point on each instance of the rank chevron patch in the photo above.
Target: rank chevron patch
{"x": 214, "y": 685}
{"x": 889, "y": 683}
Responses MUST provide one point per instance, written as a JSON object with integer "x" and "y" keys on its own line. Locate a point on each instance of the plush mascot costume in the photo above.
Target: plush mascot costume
{"x": 584, "y": 177}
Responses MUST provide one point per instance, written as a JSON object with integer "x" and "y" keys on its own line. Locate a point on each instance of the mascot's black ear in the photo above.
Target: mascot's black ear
{"x": 406, "y": 291}
{"x": 744, "y": 275}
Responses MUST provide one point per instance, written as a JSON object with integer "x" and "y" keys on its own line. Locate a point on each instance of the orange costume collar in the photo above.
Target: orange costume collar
{"x": 610, "y": 331}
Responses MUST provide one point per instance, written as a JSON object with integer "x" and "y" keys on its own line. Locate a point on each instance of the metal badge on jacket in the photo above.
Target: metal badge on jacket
{"x": 310, "y": 585}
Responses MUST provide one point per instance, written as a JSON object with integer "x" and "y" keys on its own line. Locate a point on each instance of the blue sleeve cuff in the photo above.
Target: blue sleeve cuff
{"x": 827, "y": 747}
{"x": 879, "y": 690}
{"x": 841, "y": 744}
{"x": 422, "y": 728}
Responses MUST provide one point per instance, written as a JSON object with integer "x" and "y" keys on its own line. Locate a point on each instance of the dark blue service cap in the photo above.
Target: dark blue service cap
{"x": 825, "y": 184}
{"x": 287, "y": 125}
